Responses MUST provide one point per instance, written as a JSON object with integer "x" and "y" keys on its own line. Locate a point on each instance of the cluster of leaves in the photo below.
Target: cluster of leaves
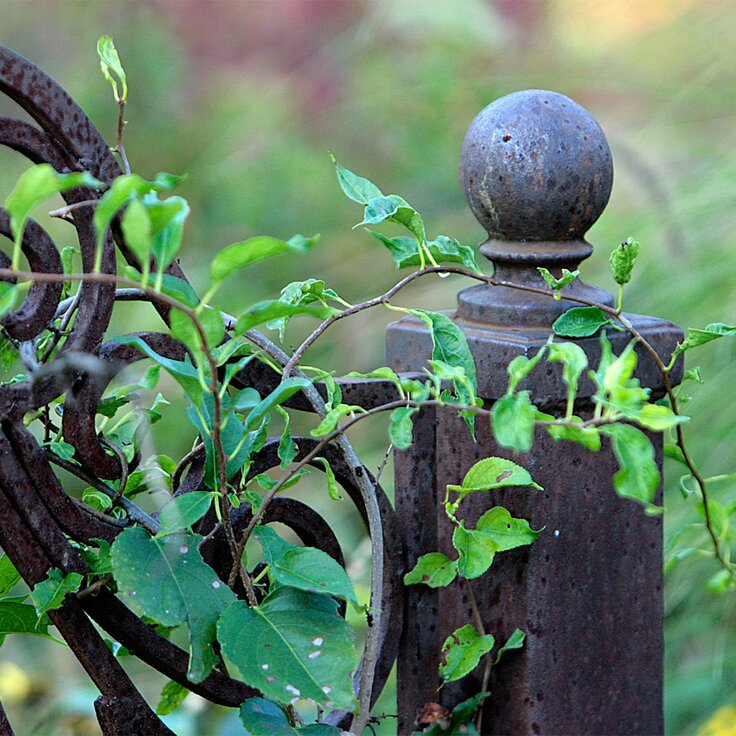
{"x": 289, "y": 640}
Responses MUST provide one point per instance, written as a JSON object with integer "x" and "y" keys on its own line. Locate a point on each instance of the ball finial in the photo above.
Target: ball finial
{"x": 536, "y": 166}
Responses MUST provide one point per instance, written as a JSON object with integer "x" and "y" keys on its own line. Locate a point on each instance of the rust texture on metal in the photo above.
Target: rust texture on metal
{"x": 537, "y": 173}
{"x": 39, "y": 522}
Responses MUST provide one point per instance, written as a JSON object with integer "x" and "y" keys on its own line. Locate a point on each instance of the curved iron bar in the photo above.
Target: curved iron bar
{"x": 37, "y": 518}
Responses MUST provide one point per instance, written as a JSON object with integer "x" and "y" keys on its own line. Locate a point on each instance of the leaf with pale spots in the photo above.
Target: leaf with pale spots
{"x": 166, "y": 579}
{"x": 292, "y": 646}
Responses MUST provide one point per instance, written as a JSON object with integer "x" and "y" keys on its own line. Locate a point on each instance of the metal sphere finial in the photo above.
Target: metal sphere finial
{"x": 536, "y": 166}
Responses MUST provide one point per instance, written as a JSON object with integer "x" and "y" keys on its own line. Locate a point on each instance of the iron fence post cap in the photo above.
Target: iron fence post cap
{"x": 536, "y": 166}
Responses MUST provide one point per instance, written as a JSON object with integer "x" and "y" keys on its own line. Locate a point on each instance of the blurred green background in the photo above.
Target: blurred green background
{"x": 249, "y": 97}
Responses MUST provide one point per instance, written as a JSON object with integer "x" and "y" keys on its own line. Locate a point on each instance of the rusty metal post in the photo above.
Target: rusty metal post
{"x": 537, "y": 173}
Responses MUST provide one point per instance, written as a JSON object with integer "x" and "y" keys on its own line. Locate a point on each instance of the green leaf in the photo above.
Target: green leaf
{"x": 405, "y": 251}
{"x": 166, "y": 579}
{"x": 356, "y": 187}
{"x": 332, "y": 490}
{"x": 574, "y": 361}
{"x": 638, "y": 477}
{"x": 61, "y": 449}
{"x": 433, "y": 569}
{"x": 521, "y": 366}
{"x": 586, "y": 436}
{"x": 287, "y": 449}
{"x": 183, "y": 328}
{"x": 301, "y": 293}
{"x": 557, "y": 284}
{"x": 622, "y": 261}
{"x": 183, "y": 511}
{"x": 450, "y": 344}
{"x": 580, "y": 322}
{"x": 476, "y": 551}
{"x": 306, "y": 568}
{"x": 185, "y": 374}
{"x": 262, "y": 717}
{"x": 394, "y": 209}
{"x": 98, "y": 558}
{"x": 9, "y": 576}
{"x": 96, "y": 499}
{"x": 136, "y": 222}
{"x": 515, "y": 641}
{"x": 696, "y": 337}
{"x": 285, "y": 390}
{"x": 721, "y": 582}
{"x": 292, "y": 646}
{"x": 333, "y": 417}
{"x": 33, "y": 187}
{"x": 172, "y": 696}
{"x": 505, "y": 531}
{"x": 136, "y": 226}
{"x": 170, "y": 285}
{"x": 659, "y": 418}
{"x": 167, "y": 227}
{"x": 49, "y": 594}
{"x": 463, "y": 650}
{"x": 675, "y": 453}
{"x": 237, "y": 256}
{"x": 513, "y": 419}
{"x": 20, "y": 618}
{"x": 267, "y": 311}
{"x": 10, "y": 297}
{"x": 401, "y": 428}
{"x": 112, "y": 67}
{"x": 8, "y": 352}
{"x": 494, "y": 472}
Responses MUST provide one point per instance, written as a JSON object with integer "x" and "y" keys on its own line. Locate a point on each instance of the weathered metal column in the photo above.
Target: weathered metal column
{"x": 537, "y": 173}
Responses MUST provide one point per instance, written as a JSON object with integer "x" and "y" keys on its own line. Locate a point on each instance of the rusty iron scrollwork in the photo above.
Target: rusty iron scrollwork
{"x": 39, "y": 522}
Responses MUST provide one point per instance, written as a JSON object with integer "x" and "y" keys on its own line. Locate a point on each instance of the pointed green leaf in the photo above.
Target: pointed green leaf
{"x": 622, "y": 261}
{"x": 463, "y": 650}
{"x": 20, "y": 618}
{"x": 476, "y": 551}
{"x": 580, "y": 322}
{"x": 586, "y": 436}
{"x": 166, "y": 579}
{"x": 237, "y": 256}
{"x": 401, "y": 428}
{"x": 494, "y": 472}
{"x": 515, "y": 641}
{"x": 433, "y": 569}
{"x": 293, "y": 646}
{"x": 172, "y": 696}
{"x": 112, "y": 68}
{"x": 659, "y": 418}
{"x": 505, "y": 531}
{"x": 267, "y": 311}
{"x": 695, "y": 337}
{"x": 332, "y": 490}
{"x": 309, "y": 569}
{"x": 638, "y": 477}
{"x": 33, "y": 187}
{"x": 49, "y": 594}
{"x": 513, "y": 419}
{"x": 183, "y": 511}
{"x": 356, "y": 187}
{"x": 9, "y": 576}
